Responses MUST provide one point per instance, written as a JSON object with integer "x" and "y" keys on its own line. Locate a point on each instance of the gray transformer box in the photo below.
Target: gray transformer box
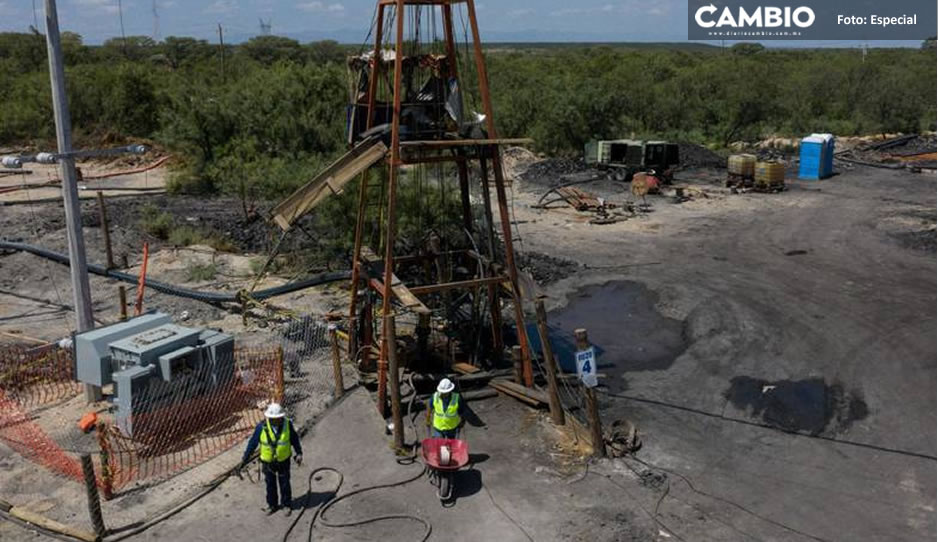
{"x": 154, "y": 363}
{"x": 92, "y": 351}
{"x": 146, "y": 348}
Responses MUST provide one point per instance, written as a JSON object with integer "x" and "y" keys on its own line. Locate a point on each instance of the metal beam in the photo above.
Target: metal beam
{"x": 431, "y": 288}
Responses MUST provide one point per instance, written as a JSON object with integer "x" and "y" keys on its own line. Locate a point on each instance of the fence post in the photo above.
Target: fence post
{"x": 336, "y": 362}
{"x": 107, "y": 483}
{"x": 550, "y": 365}
{"x": 122, "y": 294}
{"x": 94, "y": 502}
{"x": 105, "y": 230}
{"x": 592, "y": 409}
{"x": 395, "y": 386}
{"x": 516, "y": 359}
{"x": 278, "y": 375}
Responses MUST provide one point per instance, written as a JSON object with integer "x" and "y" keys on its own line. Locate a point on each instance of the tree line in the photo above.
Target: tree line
{"x": 258, "y": 118}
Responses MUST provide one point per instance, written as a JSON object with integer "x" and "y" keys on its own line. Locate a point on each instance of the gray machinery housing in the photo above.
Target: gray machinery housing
{"x": 153, "y": 363}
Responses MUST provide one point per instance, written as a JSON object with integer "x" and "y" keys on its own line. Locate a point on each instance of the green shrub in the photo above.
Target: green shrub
{"x": 198, "y": 272}
{"x": 157, "y": 223}
{"x": 186, "y": 235}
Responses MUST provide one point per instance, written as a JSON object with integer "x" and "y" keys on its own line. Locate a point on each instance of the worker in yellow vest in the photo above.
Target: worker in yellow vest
{"x": 277, "y": 439}
{"x": 445, "y": 410}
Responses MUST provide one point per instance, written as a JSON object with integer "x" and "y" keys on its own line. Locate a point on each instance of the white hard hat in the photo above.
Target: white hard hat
{"x": 446, "y": 385}
{"x": 274, "y": 410}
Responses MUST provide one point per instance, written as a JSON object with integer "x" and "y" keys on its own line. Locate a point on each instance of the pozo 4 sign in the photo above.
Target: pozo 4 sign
{"x": 761, "y": 17}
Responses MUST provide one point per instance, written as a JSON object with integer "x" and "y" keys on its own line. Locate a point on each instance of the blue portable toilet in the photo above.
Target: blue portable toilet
{"x": 817, "y": 157}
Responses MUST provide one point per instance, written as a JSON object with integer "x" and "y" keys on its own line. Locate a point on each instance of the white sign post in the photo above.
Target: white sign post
{"x": 586, "y": 367}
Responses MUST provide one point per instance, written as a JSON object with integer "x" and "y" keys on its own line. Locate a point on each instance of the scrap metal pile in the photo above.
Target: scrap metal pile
{"x": 913, "y": 151}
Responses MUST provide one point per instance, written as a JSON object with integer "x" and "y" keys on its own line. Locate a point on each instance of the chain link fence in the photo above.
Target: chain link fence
{"x": 175, "y": 427}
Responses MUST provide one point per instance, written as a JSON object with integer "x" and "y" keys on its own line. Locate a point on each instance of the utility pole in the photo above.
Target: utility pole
{"x": 120, "y": 16}
{"x": 156, "y": 23}
{"x": 78, "y": 264}
{"x": 221, "y": 50}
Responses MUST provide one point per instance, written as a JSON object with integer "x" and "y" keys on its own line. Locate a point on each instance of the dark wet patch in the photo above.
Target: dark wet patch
{"x": 924, "y": 240}
{"x": 809, "y": 405}
{"x": 623, "y": 324}
{"x": 796, "y": 252}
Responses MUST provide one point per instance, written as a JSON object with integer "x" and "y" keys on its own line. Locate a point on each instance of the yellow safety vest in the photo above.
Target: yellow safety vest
{"x": 279, "y": 449}
{"x": 446, "y": 419}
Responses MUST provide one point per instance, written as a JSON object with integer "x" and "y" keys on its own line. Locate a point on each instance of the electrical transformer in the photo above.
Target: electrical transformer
{"x": 153, "y": 363}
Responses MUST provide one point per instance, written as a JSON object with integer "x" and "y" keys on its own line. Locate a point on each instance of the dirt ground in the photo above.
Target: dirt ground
{"x": 798, "y": 397}
{"x": 776, "y": 352}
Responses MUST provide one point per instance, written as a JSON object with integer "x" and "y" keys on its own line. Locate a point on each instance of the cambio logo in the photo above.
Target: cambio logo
{"x": 761, "y": 17}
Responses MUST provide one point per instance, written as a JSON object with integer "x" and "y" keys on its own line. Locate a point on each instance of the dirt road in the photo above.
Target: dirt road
{"x": 811, "y": 311}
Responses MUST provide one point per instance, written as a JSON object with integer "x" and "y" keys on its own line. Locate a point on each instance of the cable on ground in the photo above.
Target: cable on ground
{"x": 320, "y": 513}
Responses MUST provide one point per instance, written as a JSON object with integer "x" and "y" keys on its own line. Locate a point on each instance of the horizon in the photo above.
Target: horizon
{"x": 348, "y": 22}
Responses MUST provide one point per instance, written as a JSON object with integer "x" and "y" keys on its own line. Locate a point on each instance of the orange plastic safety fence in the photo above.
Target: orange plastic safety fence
{"x": 37, "y": 376}
{"x": 166, "y": 440}
{"x": 173, "y": 438}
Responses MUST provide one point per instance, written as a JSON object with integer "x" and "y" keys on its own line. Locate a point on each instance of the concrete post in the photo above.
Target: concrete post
{"x": 78, "y": 264}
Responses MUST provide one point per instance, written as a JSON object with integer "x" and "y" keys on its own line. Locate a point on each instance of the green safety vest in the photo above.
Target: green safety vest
{"x": 279, "y": 450}
{"x": 445, "y": 419}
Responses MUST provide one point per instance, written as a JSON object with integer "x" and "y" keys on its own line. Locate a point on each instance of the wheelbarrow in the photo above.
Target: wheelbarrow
{"x": 444, "y": 456}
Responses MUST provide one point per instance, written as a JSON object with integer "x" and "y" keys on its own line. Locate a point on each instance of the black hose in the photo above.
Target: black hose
{"x": 166, "y": 288}
{"x": 320, "y": 513}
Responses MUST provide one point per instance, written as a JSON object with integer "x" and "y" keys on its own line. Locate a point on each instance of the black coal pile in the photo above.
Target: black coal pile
{"x": 550, "y": 172}
{"x": 693, "y": 155}
{"x": 544, "y": 268}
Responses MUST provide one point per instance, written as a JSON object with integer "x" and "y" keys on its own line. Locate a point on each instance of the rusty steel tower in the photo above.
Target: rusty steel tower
{"x": 413, "y": 103}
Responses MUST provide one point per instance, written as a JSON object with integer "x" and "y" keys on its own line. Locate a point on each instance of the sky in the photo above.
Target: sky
{"x": 348, "y": 21}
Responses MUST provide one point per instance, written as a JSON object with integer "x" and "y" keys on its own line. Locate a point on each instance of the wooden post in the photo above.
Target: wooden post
{"x": 336, "y": 363}
{"x": 122, "y": 294}
{"x": 395, "y": 386}
{"x": 94, "y": 502}
{"x": 107, "y": 483}
{"x": 592, "y": 409}
{"x": 105, "y": 230}
{"x": 142, "y": 283}
{"x": 550, "y": 365}
{"x": 516, "y": 358}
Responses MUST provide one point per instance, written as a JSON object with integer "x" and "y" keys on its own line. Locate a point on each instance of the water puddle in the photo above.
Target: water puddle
{"x": 623, "y": 324}
{"x": 809, "y": 405}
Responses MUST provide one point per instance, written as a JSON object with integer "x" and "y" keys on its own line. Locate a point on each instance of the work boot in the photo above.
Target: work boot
{"x": 269, "y": 509}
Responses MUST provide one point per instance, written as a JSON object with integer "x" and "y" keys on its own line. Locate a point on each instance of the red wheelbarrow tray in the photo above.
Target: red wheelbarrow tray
{"x": 430, "y": 450}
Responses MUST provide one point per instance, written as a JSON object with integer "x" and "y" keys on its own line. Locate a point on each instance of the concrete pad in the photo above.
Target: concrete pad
{"x": 514, "y": 491}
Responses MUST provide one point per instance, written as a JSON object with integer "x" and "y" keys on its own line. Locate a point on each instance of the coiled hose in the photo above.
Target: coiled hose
{"x": 320, "y": 513}
{"x": 167, "y": 288}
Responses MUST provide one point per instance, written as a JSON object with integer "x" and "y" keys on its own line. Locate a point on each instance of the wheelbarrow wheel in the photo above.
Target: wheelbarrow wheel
{"x": 446, "y": 486}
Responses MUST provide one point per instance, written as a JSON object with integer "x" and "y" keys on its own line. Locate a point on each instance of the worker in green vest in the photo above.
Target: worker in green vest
{"x": 277, "y": 439}
{"x": 445, "y": 411}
